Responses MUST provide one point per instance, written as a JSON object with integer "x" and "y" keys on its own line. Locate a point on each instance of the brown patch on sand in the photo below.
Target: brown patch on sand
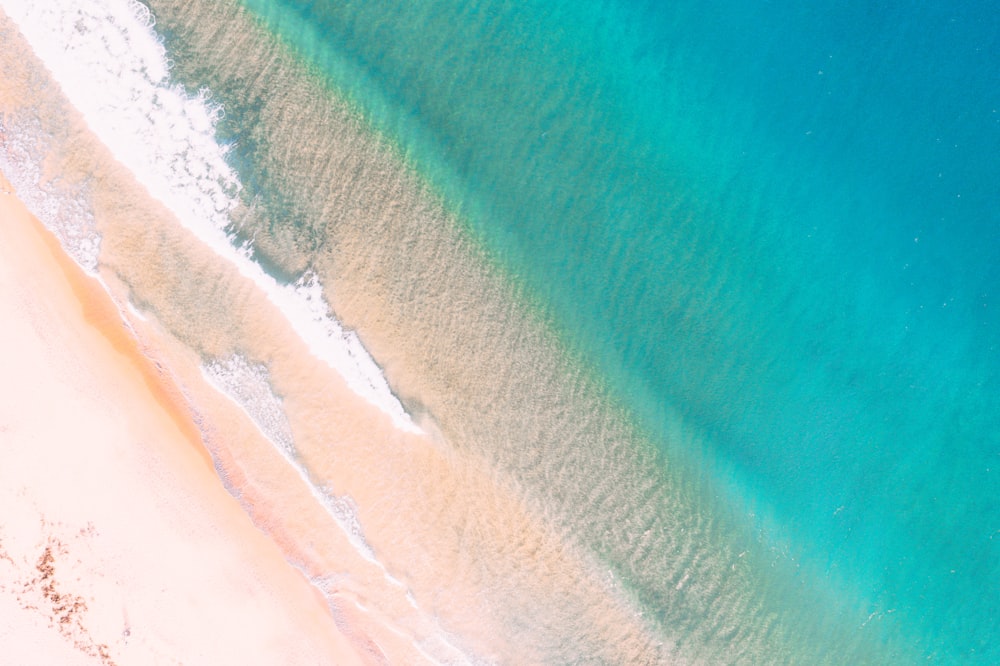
{"x": 64, "y": 611}
{"x": 97, "y": 439}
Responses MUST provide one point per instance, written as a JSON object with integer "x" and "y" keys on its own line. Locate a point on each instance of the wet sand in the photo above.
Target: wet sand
{"x": 119, "y": 544}
{"x": 486, "y": 537}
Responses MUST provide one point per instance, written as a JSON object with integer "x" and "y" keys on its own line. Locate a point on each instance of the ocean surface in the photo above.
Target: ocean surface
{"x": 705, "y": 295}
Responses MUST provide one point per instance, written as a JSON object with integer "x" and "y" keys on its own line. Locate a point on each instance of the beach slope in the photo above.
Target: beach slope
{"x": 118, "y": 543}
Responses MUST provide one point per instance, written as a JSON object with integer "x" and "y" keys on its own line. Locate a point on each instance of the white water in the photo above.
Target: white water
{"x": 112, "y": 67}
{"x": 248, "y": 386}
{"x": 23, "y": 148}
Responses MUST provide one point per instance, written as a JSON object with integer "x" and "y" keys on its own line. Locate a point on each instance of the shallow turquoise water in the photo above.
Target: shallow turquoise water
{"x": 779, "y": 222}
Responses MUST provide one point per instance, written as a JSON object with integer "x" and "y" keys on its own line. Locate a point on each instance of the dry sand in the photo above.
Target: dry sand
{"x": 118, "y": 542}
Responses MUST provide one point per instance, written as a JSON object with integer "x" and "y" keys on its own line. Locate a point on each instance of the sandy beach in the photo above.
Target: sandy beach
{"x": 119, "y": 544}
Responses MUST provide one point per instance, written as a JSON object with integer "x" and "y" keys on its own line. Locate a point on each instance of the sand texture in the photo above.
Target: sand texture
{"x": 118, "y": 543}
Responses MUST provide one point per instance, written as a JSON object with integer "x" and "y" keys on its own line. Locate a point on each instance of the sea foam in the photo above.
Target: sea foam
{"x": 23, "y": 146}
{"x": 113, "y": 68}
{"x": 248, "y": 385}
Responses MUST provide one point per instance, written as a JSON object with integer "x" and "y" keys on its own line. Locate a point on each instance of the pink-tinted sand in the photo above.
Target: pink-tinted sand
{"x": 118, "y": 543}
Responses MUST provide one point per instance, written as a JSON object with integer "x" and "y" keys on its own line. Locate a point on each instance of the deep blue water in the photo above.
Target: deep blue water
{"x": 779, "y": 222}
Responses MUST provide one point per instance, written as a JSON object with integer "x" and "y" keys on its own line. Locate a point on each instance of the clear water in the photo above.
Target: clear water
{"x": 780, "y": 222}
{"x": 771, "y": 232}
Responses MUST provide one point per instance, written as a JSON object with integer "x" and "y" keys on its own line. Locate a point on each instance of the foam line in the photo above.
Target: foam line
{"x": 109, "y": 62}
{"x": 64, "y": 213}
{"x": 248, "y": 387}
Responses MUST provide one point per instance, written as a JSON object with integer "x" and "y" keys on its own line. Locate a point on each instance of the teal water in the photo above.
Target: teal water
{"x": 777, "y": 222}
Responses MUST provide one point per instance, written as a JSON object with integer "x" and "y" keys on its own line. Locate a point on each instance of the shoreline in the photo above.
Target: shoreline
{"x": 202, "y": 200}
{"x": 474, "y": 536}
{"x": 117, "y": 526}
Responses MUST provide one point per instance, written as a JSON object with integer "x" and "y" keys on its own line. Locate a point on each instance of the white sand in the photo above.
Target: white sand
{"x": 149, "y": 560}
